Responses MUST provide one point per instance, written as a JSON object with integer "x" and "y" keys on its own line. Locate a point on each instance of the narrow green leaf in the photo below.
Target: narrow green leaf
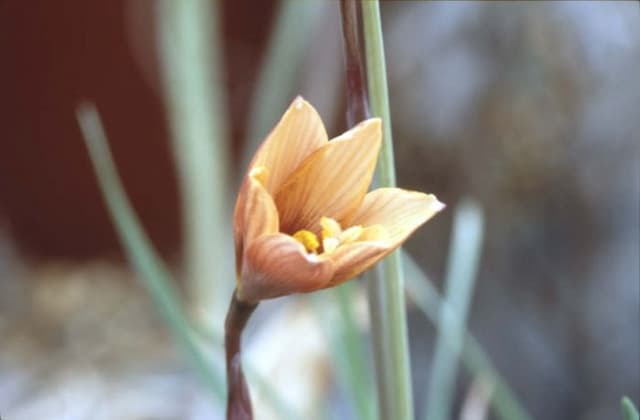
{"x": 358, "y": 376}
{"x": 386, "y": 281}
{"x": 423, "y": 293}
{"x": 348, "y": 353}
{"x": 629, "y": 410}
{"x": 154, "y": 276}
{"x": 189, "y": 46}
{"x": 464, "y": 254}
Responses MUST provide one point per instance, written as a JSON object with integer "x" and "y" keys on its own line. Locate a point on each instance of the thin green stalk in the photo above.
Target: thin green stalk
{"x": 284, "y": 54}
{"x": 154, "y": 276}
{"x": 462, "y": 265}
{"x": 422, "y": 292}
{"x": 190, "y": 51}
{"x": 386, "y": 287}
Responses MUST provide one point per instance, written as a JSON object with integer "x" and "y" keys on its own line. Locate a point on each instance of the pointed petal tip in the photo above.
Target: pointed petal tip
{"x": 438, "y": 205}
{"x": 371, "y": 123}
{"x": 375, "y": 121}
{"x": 299, "y": 103}
{"x": 298, "y": 133}
{"x": 370, "y": 129}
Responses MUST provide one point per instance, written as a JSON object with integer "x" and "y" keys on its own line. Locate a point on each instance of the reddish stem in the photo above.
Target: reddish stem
{"x": 238, "y": 398}
{"x": 357, "y": 99}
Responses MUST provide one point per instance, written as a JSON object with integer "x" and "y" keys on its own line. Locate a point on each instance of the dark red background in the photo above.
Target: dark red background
{"x": 57, "y": 53}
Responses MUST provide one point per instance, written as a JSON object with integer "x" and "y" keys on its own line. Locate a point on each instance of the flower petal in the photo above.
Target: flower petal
{"x": 389, "y": 215}
{"x": 260, "y": 213}
{"x": 238, "y": 223}
{"x": 255, "y": 213}
{"x": 352, "y": 259}
{"x": 299, "y": 133}
{"x": 399, "y": 211}
{"x": 374, "y": 233}
{"x": 277, "y": 265}
{"x": 332, "y": 181}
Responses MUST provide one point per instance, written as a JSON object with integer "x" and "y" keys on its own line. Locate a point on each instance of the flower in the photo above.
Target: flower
{"x": 303, "y": 219}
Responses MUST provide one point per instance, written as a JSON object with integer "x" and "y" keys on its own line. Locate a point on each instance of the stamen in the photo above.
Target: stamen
{"x": 330, "y": 244}
{"x": 351, "y": 235}
{"x": 330, "y": 227}
{"x": 308, "y": 239}
{"x": 333, "y": 235}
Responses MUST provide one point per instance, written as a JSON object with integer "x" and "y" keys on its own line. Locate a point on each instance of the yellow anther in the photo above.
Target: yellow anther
{"x": 351, "y": 235}
{"x": 308, "y": 239}
{"x": 330, "y": 227}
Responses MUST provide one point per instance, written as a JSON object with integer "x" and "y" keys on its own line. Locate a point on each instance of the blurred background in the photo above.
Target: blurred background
{"x": 530, "y": 109}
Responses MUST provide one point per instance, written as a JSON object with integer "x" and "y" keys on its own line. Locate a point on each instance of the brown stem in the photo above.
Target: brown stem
{"x": 357, "y": 99}
{"x": 238, "y": 398}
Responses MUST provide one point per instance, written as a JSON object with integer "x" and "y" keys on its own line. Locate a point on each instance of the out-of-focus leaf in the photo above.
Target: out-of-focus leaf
{"x": 629, "y": 410}
{"x": 153, "y": 274}
{"x": 462, "y": 266}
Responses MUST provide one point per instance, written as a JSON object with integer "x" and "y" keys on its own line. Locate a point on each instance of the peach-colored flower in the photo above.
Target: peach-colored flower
{"x": 304, "y": 220}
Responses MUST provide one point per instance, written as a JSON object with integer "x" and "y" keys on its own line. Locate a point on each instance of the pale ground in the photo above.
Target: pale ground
{"x": 84, "y": 342}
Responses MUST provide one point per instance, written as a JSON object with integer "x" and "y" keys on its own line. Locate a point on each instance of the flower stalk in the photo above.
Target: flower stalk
{"x": 238, "y": 398}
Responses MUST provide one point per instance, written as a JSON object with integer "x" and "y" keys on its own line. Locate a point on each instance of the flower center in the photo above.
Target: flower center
{"x": 332, "y": 236}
